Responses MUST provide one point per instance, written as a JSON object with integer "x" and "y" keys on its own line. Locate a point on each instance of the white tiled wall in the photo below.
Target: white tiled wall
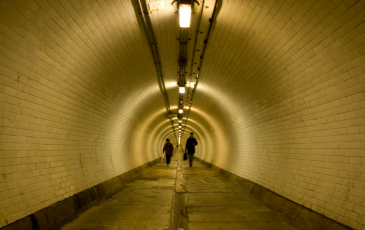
{"x": 78, "y": 100}
{"x": 286, "y": 82}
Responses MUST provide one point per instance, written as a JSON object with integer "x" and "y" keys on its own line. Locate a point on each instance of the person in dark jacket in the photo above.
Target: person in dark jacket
{"x": 190, "y": 147}
{"x": 168, "y": 149}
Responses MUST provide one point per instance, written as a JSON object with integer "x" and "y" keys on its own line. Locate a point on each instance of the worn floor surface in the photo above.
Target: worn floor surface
{"x": 179, "y": 197}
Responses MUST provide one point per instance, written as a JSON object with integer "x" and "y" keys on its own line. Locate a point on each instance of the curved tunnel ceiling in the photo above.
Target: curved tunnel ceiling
{"x": 280, "y": 99}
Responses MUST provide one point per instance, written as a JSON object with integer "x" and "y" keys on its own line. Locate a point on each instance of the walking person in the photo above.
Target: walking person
{"x": 190, "y": 147}
{"x": 168, "y": 149}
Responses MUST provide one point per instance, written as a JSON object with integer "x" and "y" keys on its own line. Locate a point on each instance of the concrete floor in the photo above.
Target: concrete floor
{"x": 180, "y": 197}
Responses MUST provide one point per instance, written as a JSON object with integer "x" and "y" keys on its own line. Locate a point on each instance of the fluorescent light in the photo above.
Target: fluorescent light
{"x": 180, "y": 121}
{"x": 181, "y": 111}
{"x": 180, "y": 127}
{"x": 185, "y": 14}
{"x": 182, "y": 89}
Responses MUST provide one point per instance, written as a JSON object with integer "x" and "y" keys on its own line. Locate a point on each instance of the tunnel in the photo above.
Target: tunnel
{"x": 274, "y": 93}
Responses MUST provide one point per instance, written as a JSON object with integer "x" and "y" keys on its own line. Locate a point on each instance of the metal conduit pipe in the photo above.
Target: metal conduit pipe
{"x": 194, "y": 49}
{"x": 200, "y": 65}
{"x": 183, "y": 41}
{"x": 153, "y": 45}
{"x": 156, "y": 57}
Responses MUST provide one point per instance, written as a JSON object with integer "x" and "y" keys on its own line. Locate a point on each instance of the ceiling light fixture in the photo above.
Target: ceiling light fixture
{"x": 185, "y": 15}
{"x": 182, "y": 89}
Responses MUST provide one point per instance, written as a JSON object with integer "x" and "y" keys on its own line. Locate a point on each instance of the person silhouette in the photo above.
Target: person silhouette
{"x": 190, "y": 148}
{"x": 168, "y": 149}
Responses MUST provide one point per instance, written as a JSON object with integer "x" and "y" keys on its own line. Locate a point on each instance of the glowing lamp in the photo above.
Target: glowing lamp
{"x": 182, "y": 89}
{"x": 181, "y": 111}
{"x": 185, "y": 15}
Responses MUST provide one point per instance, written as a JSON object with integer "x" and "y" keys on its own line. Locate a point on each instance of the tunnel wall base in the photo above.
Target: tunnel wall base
{"x": 60, "y": 212}
{"x": 290, "y": 209}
